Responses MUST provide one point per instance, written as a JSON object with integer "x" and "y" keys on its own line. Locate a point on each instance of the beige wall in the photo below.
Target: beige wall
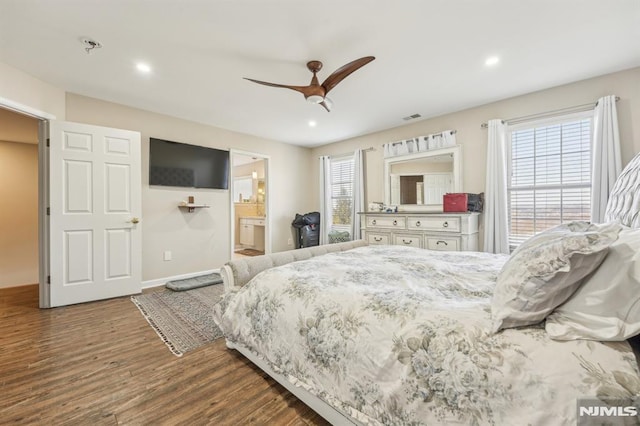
{"x": 18, "y": 213}
{"x": 20, "y": 87}
{"x": 16, "y": 127}
{"x": 625, "y": 84}
{"x": 199, "y": 241}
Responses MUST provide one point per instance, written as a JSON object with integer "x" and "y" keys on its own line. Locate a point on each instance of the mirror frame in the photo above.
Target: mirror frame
{"x": 455, "y": 151}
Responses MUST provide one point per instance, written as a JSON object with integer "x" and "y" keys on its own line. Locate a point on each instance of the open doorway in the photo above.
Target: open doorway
{"x": 19, "y": 261}
{"x": 249, "y": 205}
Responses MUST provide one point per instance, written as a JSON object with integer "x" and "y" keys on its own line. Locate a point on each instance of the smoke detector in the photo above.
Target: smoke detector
{"x": 90, "y": 44}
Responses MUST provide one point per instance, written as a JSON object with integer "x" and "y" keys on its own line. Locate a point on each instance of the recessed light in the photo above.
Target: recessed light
{"x": 142, "y": 67}
{"x": 491, "y": 61}
{"x": 312, "y": 123}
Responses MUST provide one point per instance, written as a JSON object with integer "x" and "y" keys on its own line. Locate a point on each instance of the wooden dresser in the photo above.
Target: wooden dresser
{"x": 435, "y": 231}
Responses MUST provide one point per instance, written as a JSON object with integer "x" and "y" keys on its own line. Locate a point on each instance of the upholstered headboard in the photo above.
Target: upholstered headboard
{"x": 237, "y": 273}
{"x": 624, "y": 201}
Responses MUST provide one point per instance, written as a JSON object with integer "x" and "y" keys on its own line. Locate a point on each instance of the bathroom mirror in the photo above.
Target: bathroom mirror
{"x": 417, "y": 182}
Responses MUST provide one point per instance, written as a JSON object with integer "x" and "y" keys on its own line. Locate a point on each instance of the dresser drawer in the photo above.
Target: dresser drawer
{"x": 435, "y": 223}
{"x": 393, "y": 222}
{"x": 373, "y": 238}
{"x": 407, "y": 240}
{"x": 442, "y": 243}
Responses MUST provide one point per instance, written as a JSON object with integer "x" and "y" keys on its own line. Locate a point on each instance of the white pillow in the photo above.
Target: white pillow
{"x": 545, "y": 270}
{"x": 607, "y": 305}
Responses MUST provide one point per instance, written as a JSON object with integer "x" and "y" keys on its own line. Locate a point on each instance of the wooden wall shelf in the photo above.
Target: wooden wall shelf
{"x": 191, "y": 207}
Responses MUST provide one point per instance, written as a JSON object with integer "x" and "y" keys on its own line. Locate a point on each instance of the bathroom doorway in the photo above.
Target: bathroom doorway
{"x": 249, "y": 205}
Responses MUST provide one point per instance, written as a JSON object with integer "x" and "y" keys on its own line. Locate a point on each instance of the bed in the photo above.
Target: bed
{"x": 399, "y": 335}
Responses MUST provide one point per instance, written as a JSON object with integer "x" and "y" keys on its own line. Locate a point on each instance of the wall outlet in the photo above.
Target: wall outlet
{"x": 290, "y": 242}
{"x": 167, "y": 255}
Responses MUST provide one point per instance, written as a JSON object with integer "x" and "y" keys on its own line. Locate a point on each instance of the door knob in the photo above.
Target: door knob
{"x": 134, "y": 220}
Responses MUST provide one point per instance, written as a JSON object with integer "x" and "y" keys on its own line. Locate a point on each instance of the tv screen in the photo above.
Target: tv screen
{"x": 179, "y": 164}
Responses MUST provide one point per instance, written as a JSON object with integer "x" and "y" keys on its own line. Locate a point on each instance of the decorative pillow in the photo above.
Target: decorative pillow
{"x": 607, "y": 305}
{"x": 545, "y": 270}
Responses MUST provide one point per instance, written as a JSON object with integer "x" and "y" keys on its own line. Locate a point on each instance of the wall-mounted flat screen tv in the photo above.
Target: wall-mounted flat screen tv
{"x": 179, "y": 164}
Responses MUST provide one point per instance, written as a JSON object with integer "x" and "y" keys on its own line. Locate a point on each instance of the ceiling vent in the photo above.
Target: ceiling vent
{"x": 411, "y": 117}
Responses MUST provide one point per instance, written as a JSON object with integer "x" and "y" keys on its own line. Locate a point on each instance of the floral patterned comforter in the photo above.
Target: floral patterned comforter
{"x": 398, "y": 335}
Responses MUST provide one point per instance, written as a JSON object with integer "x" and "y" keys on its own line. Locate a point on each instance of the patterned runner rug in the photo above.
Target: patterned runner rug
{"x": 182, "y": 319}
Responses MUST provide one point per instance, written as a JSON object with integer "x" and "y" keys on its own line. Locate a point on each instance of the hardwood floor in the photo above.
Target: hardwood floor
{"x": 100, "y": 363}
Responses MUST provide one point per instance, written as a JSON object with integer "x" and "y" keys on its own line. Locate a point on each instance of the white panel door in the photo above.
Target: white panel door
{"x": 435, "y": 186}
{"x": 95, "y": 207}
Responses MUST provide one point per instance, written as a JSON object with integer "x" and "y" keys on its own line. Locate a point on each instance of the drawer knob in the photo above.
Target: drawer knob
{"x": 441, "y": 242}
{"x": 407, "y": 242}
{"x": 395, "y": 222}
{"x": 418, "y": 223}
{"x": 377, "y": 239}
{"x": 445, "y": 224}
{"x": 373, "y": 222}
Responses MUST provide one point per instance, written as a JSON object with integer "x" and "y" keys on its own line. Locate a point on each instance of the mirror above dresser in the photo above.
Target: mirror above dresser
{"x": 416, "y": 182}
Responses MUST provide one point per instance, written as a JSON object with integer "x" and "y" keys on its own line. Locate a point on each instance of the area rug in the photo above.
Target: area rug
{"x": 184, "y": 319}
{"x": 250, "y": 252}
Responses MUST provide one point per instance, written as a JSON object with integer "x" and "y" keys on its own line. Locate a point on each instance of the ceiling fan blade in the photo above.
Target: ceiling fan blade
{"x": 301, "y": 89}
{"x": 344, "y": 71}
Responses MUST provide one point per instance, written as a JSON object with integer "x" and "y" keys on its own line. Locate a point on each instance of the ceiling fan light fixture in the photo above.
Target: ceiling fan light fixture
{"x": 315, "y": 99}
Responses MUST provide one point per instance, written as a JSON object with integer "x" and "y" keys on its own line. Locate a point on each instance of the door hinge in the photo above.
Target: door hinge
{"x": 48, "y": 211}
{"x": 48, "y": 279}
{"x": 48, "y": 141}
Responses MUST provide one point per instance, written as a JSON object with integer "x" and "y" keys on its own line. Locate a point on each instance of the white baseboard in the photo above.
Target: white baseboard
{"x": 162, "y": 281}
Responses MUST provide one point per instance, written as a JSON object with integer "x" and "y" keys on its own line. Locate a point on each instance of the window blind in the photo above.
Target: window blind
{"x": 341, "y": 193}
{"x": 550, "y": 179}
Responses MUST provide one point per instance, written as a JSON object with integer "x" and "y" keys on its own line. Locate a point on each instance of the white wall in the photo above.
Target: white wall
{"x": 625, "y": 84}
{"x": 20, "y": 87}
{"x": 199, "y": 241}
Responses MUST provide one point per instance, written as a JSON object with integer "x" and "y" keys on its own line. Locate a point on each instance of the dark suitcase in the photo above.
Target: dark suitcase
{"x": 307, "y": 228}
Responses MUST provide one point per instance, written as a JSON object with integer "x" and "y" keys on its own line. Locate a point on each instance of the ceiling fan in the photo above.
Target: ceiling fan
{"x": 317, "y": 93}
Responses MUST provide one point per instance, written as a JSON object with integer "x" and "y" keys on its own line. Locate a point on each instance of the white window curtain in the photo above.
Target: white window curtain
{"x": 325, "y": 199}
{"x": 358, "y": 193}
{"x": 607, "y": 163}
{"x": 496, "y": 219}
{"x": 420, "y": 144}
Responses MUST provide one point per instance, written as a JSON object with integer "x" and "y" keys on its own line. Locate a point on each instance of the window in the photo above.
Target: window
{"x": 549, "y": 174}
{"x": 341, "y": 193}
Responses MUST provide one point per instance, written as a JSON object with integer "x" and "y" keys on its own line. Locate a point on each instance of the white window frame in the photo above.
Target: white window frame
{"x": 544, "y": 122}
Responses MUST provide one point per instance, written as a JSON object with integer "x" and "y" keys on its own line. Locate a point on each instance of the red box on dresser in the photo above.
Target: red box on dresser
{"x": 454, "y": 202}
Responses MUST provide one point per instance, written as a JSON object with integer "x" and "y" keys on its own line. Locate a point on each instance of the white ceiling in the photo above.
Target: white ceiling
{"x": 430, "y": 55}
